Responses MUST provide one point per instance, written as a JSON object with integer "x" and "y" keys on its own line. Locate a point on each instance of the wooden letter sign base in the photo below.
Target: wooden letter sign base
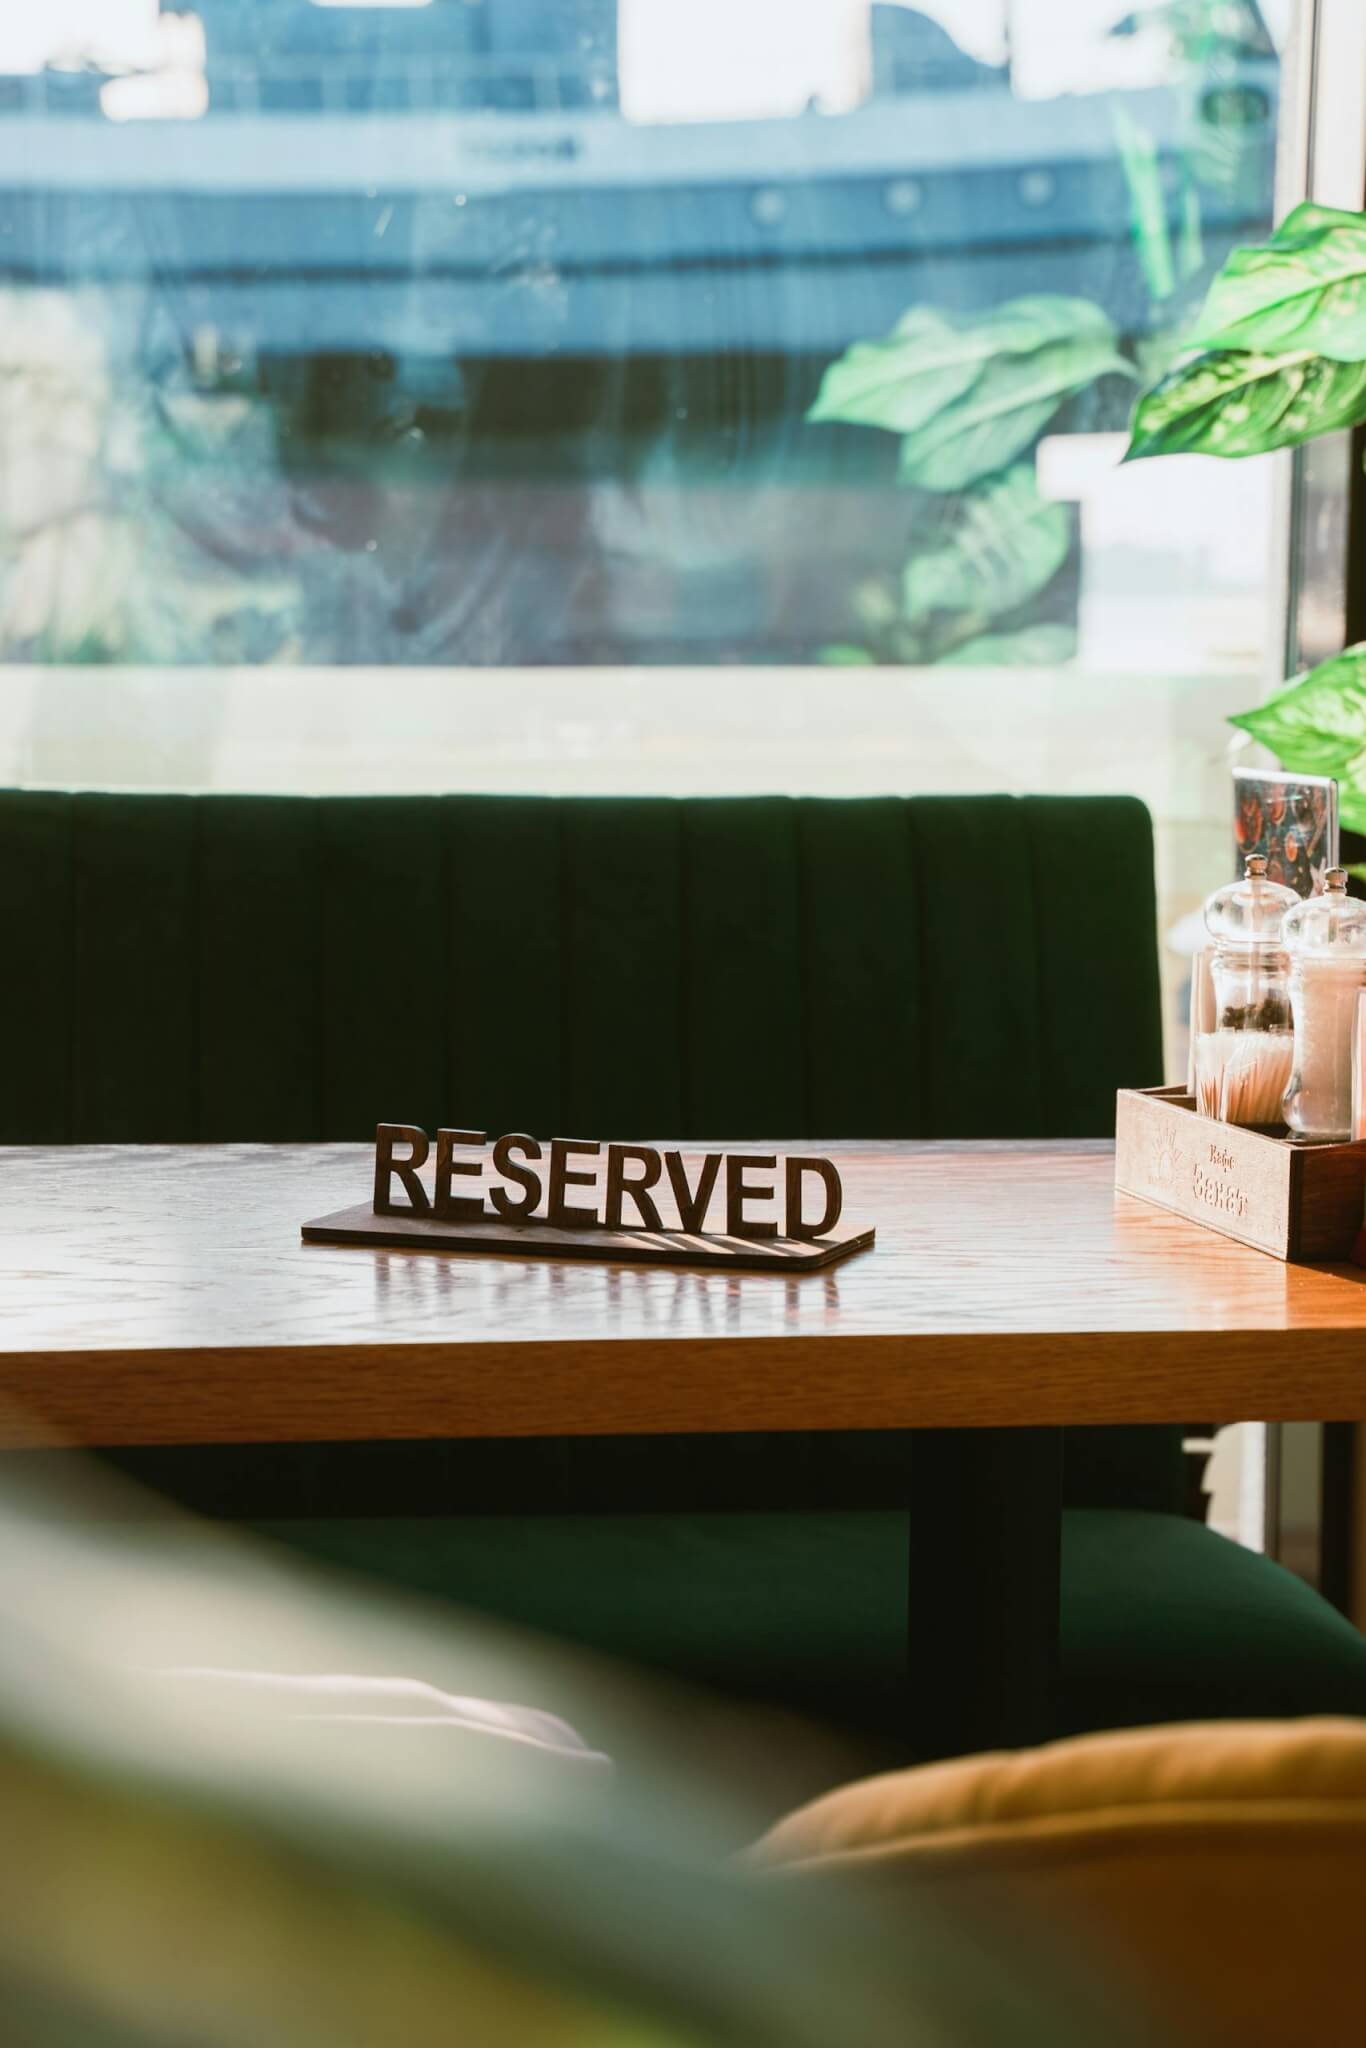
{"x": 516, "y": 1226}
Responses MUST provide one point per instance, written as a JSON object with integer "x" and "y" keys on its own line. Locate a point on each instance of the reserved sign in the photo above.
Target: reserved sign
{"x": 521, "y": 1197}
{"x": 507, "y": 1179}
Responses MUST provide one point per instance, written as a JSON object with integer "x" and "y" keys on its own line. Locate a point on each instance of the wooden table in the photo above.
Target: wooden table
{"x": 162, "y": 1296}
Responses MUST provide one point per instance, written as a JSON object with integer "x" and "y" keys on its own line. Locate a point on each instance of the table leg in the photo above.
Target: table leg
{"x": 985, "y": 1536}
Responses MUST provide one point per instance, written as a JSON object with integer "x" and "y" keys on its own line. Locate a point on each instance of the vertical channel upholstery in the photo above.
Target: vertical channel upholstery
{"x": 290, "y": 968}
{"x": 239, "y": 968}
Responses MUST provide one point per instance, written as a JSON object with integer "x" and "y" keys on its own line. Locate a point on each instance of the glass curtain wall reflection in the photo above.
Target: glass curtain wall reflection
{"x": 522, "y": 332}
{"x": 630, "y": 394}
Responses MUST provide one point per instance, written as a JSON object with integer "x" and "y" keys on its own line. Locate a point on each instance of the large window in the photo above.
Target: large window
{"x": 692, "y": 394}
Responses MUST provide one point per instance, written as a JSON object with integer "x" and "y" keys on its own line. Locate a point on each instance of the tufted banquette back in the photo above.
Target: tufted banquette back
{"x": 237, "y": 968}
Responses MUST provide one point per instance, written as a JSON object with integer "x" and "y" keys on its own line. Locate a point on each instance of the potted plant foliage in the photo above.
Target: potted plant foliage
{"x": 1277, "y": 357}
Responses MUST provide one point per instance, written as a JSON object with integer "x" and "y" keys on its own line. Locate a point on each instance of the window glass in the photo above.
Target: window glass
{"x": 677, "y": 394}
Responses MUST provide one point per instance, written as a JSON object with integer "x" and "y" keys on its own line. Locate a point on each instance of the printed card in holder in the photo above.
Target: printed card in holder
{"x": 1292, "y": 819}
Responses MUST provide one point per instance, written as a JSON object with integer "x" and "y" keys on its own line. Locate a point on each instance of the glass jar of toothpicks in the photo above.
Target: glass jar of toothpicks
{"x": 1242, "y": 1063}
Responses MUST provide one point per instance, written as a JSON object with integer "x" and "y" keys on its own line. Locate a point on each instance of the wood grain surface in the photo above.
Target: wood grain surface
{"x": 541, "y": 1240}
{"x": 163, "y": 1295}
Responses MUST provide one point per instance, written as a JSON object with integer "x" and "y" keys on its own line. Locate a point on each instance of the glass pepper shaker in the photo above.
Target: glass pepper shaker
{"x": 1243, "y": 1064}
{"x": 1325, "y": 937}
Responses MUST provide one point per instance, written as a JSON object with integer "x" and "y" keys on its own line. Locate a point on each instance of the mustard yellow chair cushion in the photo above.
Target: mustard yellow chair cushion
{"x": 1215, "y": 1874}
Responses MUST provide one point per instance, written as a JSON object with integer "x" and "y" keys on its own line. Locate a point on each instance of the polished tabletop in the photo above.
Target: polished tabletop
{"x": 163, "y": 1295}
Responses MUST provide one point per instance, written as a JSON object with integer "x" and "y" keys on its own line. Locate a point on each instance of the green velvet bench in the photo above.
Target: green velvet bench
{"x": 208, "y": 969}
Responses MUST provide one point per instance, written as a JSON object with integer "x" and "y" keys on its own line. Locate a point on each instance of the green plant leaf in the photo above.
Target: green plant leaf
{"x": 875, "y": 603}
{"x": 1304, "y": 288}
{"x": 927, "y": 362}
{"x": 1190, "y": 248}
{"x": 1147, "y": 202}
{"x": 843, "y": 656}
{"x": 902, "y": 381}
{"x": 1236, "y": 402}
{"x": 1317, "y": 726}
{"x": 1004, "y": 543}
{"x": 1041, "y": 646}
{"x": 1008, "y": 407}
{"x": 1019, "y": 326}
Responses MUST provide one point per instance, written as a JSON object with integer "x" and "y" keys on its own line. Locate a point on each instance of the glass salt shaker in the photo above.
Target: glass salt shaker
{"x": 1325, "y": 937}
{"x": 1242, "y": 1065}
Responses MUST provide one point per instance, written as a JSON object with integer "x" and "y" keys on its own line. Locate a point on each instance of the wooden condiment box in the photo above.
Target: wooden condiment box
{"x": 1296, "y": 1201}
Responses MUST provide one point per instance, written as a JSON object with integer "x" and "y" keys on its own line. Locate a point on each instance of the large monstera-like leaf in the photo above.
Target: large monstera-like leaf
{"x": 1305, "y": 288}
{"x": 1004, "y": 544}
{"x": 1317, "y": 726}
{"x": 974, "y": 394}
{"x": 1242, "y": 402}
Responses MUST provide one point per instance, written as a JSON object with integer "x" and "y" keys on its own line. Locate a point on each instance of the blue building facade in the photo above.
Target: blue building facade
{"x": 501, "y": 56}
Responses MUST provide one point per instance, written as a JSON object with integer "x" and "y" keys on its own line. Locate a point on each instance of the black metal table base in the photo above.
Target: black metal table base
{"x": 984, "y": 1571}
